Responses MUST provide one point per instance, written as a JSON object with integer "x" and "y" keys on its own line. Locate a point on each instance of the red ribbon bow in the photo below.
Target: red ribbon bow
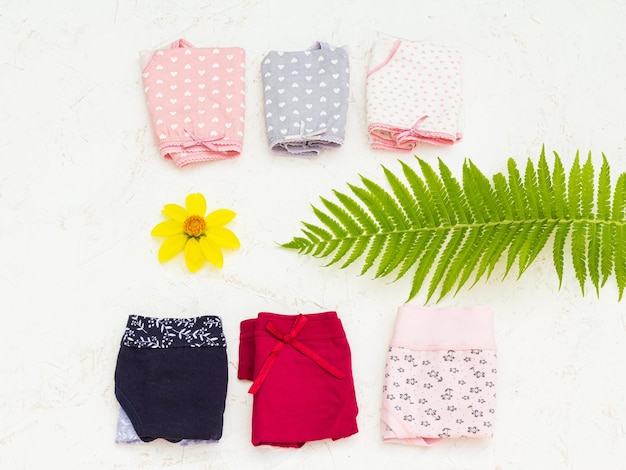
{"x": 290, "y": 339}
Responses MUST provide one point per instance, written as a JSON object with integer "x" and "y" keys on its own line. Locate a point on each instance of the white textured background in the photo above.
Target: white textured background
{"x": 82, "y": 184}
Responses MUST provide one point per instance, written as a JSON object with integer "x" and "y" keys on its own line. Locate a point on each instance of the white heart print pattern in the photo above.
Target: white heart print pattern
{"x": 175, "y": 81}
{"x": 297, "y": 86}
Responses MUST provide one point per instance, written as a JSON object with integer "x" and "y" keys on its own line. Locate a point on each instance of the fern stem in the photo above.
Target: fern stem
{"x": 368, "y": 235}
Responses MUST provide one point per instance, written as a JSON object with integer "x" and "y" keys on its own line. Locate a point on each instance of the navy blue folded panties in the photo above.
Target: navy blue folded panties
{"x": 171, "y": 377}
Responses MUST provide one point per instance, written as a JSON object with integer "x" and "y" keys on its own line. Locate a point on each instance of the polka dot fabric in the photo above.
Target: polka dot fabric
{"x": 196, "y": 100}
{"x": 413, "y": 95}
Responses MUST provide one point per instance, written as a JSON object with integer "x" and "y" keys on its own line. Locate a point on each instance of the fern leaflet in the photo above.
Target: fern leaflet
{"x": 447, "y": 231}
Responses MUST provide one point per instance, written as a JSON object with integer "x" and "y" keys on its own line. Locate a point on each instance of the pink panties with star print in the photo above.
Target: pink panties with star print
{"x": 413, "y": 95}
{"x": 196, "y": 101}
{"x": 440, "y": 376}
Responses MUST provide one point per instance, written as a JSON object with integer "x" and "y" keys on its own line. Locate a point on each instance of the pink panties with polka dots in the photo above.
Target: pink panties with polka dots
{"x": 440, "y": 376}
{"x": 413, "y": 95}
{"x": 196, "y": 101}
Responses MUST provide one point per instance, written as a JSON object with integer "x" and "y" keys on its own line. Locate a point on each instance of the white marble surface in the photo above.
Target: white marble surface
{"x": 82, "y": 184}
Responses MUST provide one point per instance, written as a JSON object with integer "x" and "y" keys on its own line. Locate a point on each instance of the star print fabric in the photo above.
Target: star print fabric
{"x": 196, "y": 101}
{"x": 440, "y": 376}
{"x": 413, "y": 95}
{"x": 306, "y": 99}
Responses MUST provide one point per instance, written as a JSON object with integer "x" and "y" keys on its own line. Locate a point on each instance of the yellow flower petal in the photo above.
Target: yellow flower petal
{"x": 219, "y": 217}
{"x": 171, "y": 247}
{"x": 223, "y": 237}
{"x": 175, "y": 212}
{"x": 212, "y": 252}
{"x": 193, "y": 255}
{"x": 196, "y": 204}
{"x": 167, "y": 229}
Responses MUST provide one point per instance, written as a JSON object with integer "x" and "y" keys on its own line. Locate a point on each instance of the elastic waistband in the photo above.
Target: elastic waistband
{"x": 324, "y": 325}
{"x": 436, "y": 328}
{"x": 162, "y": 333}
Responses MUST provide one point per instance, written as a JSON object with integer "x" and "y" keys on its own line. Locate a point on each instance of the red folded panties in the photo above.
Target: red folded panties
{"x": 301, "y": 370}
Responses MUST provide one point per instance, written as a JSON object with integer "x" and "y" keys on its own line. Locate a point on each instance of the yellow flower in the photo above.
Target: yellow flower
{"x": 201, "y": 238}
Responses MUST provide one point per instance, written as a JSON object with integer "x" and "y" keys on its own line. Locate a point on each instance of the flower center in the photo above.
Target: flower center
{"x": 194, "y": 225}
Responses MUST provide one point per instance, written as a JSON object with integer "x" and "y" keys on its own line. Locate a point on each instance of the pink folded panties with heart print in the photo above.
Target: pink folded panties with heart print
{"x": 196, "y": 101}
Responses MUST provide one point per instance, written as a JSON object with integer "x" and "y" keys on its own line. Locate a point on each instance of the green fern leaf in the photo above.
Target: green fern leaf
{"x": 373, "y": 205}
{"x": 504, "y": 195}
{"x": 619, "y": 245}
{"x": 358, "y": 213}
{"x": 376, "y": 246}
{"x": 439, "y": 196}
{"x": 318, "y": 231}
{"x": 486, "y": 199}
{"x": 516, "y": 245}
{"x": 545, "y": 186}
{"x": 401, "y": 253}
{"x": 462, "y": 259}
{"x": 423, "y": 197}
{"x": 559, "y": 185}
{"x": 402, "y": 193}
{"x": 603, "y": 212}
{"x": 313, "y": 240}
{"x": 416, "y": 250}
{"x": 457, "y": 200}
{"x": 394, "y": 215}
{"x": 534, "y": 244}
{"x": 447, "y": 256}
{"x": 348, "y": 222}
{"x": 619, "y": 199}
{"x": 391, "y": 248}
{"x": 587, "y": 189}
{"x": 480, "y": 250}
{"x": 532, "y": 191}
{"x": 558, "y": 249}
{"x": 574, "y": 189}
{"x": 593, "y": 232}
{"x": 326, "y": 248}
{"x": 517, "y": 190}
{"x": 497, "y": 246}
{"x": 426, "y": 261}
{"x": 342, "y": 249}
{"x": 594, "y": 237}
{"x": 579, "y": 234}
{"x": 620, "y": 259}
{"x": 300, "y": 244}
{"x": 607, "y": 247}
{"x": 358, "y": 248}
{"x": 448, "y": 231}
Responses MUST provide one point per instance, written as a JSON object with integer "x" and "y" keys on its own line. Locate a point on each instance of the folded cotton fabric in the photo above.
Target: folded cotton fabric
{"x": 196, "y": 101}
{"x": 440, "y": 376}
{"x": 413, "y": 94}
{"x": 301, "y": 370}
{"x": 306, "y": 99}
{"x": 171, "y": 378}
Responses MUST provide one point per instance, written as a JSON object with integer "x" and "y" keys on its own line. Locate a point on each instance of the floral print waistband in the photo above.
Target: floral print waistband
{"x": 162, "y": 333}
